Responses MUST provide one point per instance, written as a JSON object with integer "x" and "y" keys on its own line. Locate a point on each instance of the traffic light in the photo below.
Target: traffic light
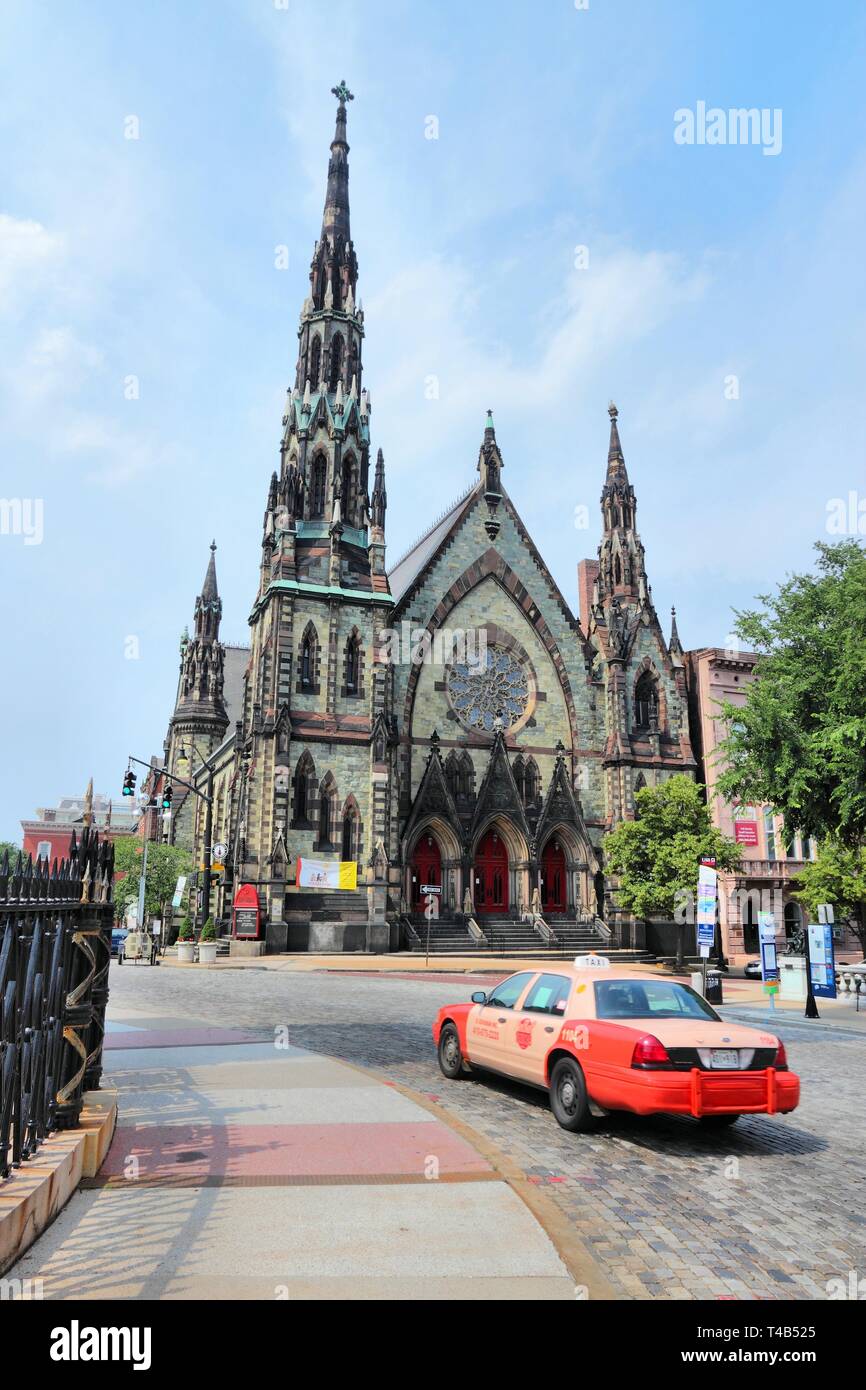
{"x": 129, "y": 783}
{"x": 166, "y": 799}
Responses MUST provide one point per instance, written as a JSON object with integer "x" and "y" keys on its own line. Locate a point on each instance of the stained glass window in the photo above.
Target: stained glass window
{"x": 497, "y": 688}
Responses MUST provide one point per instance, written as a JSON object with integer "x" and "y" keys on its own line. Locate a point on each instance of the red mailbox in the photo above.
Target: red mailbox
{"x": 246, "y": 922}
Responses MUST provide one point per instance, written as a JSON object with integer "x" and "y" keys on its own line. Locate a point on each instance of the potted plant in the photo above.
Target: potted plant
{"x": 186, "y": 943}
{"x": 207, "y": 943}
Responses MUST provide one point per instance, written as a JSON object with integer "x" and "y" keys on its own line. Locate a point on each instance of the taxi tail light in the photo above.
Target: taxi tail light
{"x": 781, "y": 1062}
{"x": 650, "y": 1054}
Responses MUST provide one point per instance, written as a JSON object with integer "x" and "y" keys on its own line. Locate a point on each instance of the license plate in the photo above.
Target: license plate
{"x": 725, "y": 1058}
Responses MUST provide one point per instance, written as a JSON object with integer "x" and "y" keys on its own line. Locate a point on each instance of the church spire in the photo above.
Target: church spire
{"x": 208, "y": 605}
{"x": 379, "y": 498}
{"x": 335, "y": 218}
{"x": 621, "y": 555}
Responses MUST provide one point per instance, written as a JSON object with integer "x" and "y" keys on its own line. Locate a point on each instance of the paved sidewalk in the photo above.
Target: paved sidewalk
{"x": 244, "y": 1169}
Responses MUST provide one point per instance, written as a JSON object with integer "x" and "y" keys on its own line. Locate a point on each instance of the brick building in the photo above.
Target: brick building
{"x": 769, "y": 868}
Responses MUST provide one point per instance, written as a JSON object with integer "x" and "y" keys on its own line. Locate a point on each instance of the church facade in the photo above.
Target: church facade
{"x": 447, "y": 721}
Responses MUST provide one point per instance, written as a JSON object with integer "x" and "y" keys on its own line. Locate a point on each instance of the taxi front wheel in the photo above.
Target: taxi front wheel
{"x": 568, "y": 1099}
{"x": 450, "y": 1056}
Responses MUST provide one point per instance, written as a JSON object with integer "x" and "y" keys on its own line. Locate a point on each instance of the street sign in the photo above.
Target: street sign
{"x": 707, "y": 894}
{"x": 431, "y": 888}
{"x": 825, "y": 913}
{"x": 179, "y": 890}
{"x": 822, "y": 962}
{"x": 216, "y": 867}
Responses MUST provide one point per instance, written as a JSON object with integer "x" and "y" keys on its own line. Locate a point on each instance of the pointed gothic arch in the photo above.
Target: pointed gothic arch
{"x": 327, "y": 822}
{"x": 318, "y": 486}
{"x": 315, "y": 362}
{"x": 531, "y": 782}
{"x": 335, "y": 367}
{"x": 353, "y": 666}
{"x": 303, "y": 790}
{"x": 350, "y": 830}
{"x": 309, "y": 659}
{"x": 348, "y": 489}
{"x": 648, "y": 700}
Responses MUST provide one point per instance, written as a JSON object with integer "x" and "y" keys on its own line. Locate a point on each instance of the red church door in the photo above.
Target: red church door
{"x": 491, "y": 874}
{"x": 426, "y": 868}
{"x": 554, "y": 897}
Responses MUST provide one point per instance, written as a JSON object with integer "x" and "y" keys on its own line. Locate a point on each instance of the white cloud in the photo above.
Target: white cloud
{"x": 29, "y": 260}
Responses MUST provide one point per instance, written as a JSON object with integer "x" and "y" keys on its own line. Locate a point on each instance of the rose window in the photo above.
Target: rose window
{"x": 497, "y": 688}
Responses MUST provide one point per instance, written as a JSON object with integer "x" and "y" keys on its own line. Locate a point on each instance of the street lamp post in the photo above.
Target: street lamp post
{"x": 184, "y": 757}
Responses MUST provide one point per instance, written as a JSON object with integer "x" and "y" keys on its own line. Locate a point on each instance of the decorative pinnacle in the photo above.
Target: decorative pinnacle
{"x": 612, "y": 410}
{"x": 342, "y": 93}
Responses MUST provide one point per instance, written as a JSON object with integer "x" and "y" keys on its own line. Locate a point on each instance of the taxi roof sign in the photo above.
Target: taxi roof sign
{"x": 591, "y": 962}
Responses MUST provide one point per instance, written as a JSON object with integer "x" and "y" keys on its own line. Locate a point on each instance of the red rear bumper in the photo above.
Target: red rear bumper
{"x": 698, "y": 1093}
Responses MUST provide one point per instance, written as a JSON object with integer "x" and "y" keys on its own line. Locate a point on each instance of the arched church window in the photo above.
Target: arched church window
{"x": 336, "y": 362}
{"x": 327, "y": 800}
{"x": 317, "y": 490}
{"x": 353, "y": 665}
{"x": 308, "y": 660}
{"x": 315, "y": 362}
{"x": 519, "y": 775}
{"x": 349, "y": 832}
{"x": 646, "y": 701}
{"x": 465, "y": 775}
{"x": 305, "y": 782}
{"x": 617, "y": 571}
{"x": 531, "y": 783}
{"x": 347, "y": 497}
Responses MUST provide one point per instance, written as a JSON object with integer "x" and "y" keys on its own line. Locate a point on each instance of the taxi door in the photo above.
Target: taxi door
{"x": 539, "y": 1024}
{"x": 491, "y": 1026}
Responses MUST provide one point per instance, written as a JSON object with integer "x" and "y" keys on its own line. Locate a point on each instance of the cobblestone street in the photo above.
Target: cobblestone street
{"x": 771, "y": 1209}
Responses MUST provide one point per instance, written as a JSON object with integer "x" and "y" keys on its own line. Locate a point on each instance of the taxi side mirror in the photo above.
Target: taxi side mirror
{"x": 479, "y": 997}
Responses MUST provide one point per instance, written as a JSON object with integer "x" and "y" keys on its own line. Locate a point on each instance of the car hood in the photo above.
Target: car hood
{"x": 696, "y": 1032}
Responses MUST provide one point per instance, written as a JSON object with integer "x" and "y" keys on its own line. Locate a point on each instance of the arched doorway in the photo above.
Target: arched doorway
{"x": 554, "y": 883}
{"x": 491, "y": 874}
{"x": 426, "y": 867}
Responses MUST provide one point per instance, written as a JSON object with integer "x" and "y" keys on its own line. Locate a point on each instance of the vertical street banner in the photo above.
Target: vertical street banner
{"x": 708, "y": 888}
{"x": 769, "y": 959}
{"x": 822, "y": 960}
{"x": 326, "y": 873}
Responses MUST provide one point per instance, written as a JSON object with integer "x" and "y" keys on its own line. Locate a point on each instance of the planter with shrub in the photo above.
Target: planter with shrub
{"x": 207, "y": 943}
{"x": 186, "y": 943}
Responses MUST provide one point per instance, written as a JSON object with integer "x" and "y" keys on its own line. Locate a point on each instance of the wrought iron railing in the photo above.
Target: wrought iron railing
{"x": 55, "y": 953}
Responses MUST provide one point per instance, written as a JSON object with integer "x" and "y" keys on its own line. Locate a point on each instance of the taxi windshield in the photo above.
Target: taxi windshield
{"x": 649, "y": 999}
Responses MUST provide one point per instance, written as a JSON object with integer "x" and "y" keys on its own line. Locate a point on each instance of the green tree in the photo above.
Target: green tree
{"x": 799, "y": 741}
{"x": 165, "y": 864}
{"x": 14, "y": 851}
{"x": 837, "y": 876}
{"x": 657, "y": 855}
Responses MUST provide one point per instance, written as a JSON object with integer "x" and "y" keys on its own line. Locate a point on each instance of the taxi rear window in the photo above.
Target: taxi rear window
{"x": 649, "y": 999}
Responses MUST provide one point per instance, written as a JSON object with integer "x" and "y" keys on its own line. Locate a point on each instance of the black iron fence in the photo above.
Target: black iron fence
{"x": 55, "y": 953}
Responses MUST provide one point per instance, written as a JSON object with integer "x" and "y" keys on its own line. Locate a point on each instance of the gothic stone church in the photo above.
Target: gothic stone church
{"x": 495, "y": 781}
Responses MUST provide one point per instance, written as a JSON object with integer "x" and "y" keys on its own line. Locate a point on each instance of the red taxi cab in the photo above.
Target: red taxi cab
{"x": 600, "y": 1038}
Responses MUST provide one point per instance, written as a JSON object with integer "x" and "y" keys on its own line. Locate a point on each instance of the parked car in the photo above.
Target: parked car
{"x": 752, "y": 970}
{"x": 597, "y": 1038}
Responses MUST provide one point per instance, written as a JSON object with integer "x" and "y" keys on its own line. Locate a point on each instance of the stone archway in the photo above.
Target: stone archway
{"x": 421, "y": 858}
{"x": 499, "y": 868}
{"x": 581, "y": 866}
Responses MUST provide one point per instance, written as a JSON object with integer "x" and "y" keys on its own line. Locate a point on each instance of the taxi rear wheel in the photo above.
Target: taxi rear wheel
{"x": 450, "y": 1055}
{"x": 568, "y": 1099}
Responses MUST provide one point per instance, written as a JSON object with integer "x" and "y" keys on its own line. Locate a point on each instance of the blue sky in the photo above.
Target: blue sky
{"x": 154, "y": 258}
